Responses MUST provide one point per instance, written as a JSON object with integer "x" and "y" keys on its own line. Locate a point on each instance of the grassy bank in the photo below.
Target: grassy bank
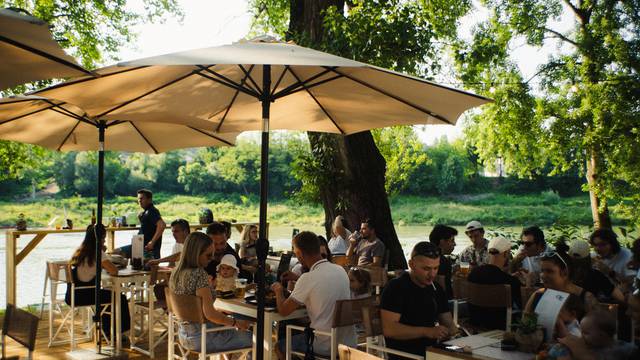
{"x": 496, "y": 209}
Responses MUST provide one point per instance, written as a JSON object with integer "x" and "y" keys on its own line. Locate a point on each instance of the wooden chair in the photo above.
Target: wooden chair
{"x": 499, "y": 295}
{"x": 347, "y": 313}
{"x": 341, "y": 260}
{"x": 379, "y": 277}
{"x": 349, "y": 353}
{"x": 189, "y": 308}
{"x": 22, "y": 327}
{"x": 375, "y": 339}
{"x": 153, "y": 306}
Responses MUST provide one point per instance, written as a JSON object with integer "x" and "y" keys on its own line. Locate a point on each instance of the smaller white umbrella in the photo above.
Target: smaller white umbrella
{"x": 29, "y": 53}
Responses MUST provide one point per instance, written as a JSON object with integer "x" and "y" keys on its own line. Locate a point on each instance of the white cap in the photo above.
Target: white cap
{"x": 473, "y": 225}
{"x": 499, "y": 243}
{"x": 579, "y": 249}
{"x": 228, "y": 260}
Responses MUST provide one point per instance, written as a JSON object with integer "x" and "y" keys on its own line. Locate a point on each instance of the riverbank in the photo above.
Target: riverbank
{"x": 497, "y": 209}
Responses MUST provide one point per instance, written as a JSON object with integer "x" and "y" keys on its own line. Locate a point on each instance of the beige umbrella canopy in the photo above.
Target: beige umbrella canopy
{"x": 64, "y": 127}
{"x": 310, "y": 90}
{"x": 29, "y": 53}
{"x": 263, "y": 85}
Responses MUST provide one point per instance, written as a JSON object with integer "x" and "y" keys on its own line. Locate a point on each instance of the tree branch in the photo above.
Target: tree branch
{"x": 560, "y": 36}
{"x": 573, "y": 7}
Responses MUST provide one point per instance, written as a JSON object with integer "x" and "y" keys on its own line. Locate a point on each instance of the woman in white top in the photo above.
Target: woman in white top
{"x": 247, "y": 253}
{"x": 83, "y": 271}
{"x": 339, "y": 242}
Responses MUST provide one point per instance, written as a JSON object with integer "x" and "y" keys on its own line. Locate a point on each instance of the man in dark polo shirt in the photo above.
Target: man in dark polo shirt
{"x": 414, "y": 308}
{"x": 151, "y": 226}
{"x": 444, "y": 237}
{"x": 218, "y": 233}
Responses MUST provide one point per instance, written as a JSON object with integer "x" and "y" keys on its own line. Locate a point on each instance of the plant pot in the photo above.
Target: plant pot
{"x": 530, "y": 342}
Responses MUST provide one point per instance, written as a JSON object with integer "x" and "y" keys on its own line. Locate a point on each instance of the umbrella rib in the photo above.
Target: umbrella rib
{"x": 286, "y": 68}
{"x": 73, "y": 116}
{"x": 228, "y": 82}
{"x": 428, "y": 82}
{"x": 315, "y": 84}
{"x": 47, "y": 55}
{"x": 248, "y": 74}
{"x": 210, "y": 135}
{"x": 286, "y": 91}
{"x": 144, "y": 137}
{"x": 73, "y": 82}
{"x": 317, "y": 102}
{"x": 397, "y": 98}
{"x": 68, "y": 135}
{"x": 145, "y": 94}
{"x": 233, "y": 99}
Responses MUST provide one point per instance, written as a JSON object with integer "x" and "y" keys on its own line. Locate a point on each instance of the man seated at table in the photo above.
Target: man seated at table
{"x": 494, "y": 273}
{"x": 218, "y": 233}
{"x": 529, "y": 254}
{"x": 317, "y": 290}
{"x": 444, "y": 237}
{"x": 476, "y": 253}
{"x": 414, "y": 308}
{"x": 365, "y": 247}
{"x": 180, "y": 230}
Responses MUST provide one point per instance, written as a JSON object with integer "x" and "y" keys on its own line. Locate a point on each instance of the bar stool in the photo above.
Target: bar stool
{"x": 54, "y": 289}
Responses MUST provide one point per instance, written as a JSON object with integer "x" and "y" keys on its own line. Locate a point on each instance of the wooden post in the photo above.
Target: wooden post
{"x": 12, "y": 240}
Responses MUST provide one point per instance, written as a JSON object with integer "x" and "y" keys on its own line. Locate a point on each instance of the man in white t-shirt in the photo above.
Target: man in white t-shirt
{"x": 317, "y": 290}
{"x": 611, "y": 258}
{"x": 180, "y": 229}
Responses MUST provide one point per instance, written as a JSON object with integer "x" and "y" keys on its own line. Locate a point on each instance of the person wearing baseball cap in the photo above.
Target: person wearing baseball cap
{"x": 494, "y": 273}
{"x": 584, "y": 275}
{"x": 476, "y": 253}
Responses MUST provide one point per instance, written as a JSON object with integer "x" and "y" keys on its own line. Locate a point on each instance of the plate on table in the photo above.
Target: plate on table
{"x": 269, "y": 302}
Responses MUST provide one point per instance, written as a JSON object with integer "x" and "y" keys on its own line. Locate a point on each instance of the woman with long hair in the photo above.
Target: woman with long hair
{"x": 190, "y": 278}
{"x": 83, "y": 271}
{"x": 339, "y": 242}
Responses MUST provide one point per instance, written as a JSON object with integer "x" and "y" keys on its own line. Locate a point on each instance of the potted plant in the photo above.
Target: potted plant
{"x": 529, "y": 335}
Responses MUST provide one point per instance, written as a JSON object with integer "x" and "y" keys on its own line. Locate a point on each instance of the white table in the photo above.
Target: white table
{"x": 485, "y": 346}
{"x": 238, "y": 306}
{"x": 120, "y": 284}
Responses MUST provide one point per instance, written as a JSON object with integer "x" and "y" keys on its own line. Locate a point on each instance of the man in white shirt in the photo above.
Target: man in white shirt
{"x": 318, "y": 290}
{"x": 529, "y": 254}
{"x": 611, "y": 258}
{"x": 180, "y": 230}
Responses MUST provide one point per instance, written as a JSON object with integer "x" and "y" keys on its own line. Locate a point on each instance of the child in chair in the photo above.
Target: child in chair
{"x": 227, "y": 274}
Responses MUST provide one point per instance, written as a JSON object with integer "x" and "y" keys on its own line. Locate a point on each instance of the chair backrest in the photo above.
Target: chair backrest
{"x": 378, "y": 275}
{"x": 349, "y": 353}
{"x": 459, "y": 286}
{"x": 59, "y": 271}
{"x": 349, "y": 312}
{"x": 21, "y": 326}
{"x": 185, "y": 307}
{"x": 489, "y": 295}
{"x": 372, "y": 321}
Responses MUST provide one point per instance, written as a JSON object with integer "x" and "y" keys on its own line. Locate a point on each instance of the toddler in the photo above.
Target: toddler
{"x": 227, "y": 273}
{"x": 360, "y": 283}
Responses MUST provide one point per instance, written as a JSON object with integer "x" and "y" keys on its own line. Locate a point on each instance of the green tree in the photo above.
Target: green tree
{"x": 90, "y": 30}
{"x": 583, "y": 114}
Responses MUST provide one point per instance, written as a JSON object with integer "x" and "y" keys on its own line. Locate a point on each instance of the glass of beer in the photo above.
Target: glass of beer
{"x": 464, "y": 268}
{"x": 241, "y": 285}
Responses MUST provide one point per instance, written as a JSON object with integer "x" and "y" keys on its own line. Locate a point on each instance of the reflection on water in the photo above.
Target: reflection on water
{"x": 60, "y": 246}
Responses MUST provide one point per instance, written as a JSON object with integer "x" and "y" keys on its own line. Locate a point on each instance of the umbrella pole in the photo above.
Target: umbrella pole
{"x": 96, "y": 316}
{"x": 262, "y": 245}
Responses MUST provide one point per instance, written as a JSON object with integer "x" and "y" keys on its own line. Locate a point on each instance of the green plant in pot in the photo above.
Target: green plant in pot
{"x": 529, "y": 335}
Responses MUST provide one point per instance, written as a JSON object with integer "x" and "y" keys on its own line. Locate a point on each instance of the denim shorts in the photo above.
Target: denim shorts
{"x": 218, "y": 341}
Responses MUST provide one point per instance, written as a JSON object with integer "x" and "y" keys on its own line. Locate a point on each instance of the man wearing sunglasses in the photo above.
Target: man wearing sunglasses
{"x": 494, "y": 273}
{"x": 414, "y": 309}
{"x": 528, "y": 258}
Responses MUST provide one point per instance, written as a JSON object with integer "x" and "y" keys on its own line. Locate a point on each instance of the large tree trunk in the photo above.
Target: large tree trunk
{"x": 354, "y": 168}
{"x": 599, "y": 209}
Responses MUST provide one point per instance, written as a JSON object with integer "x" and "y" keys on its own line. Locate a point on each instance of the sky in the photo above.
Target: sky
{"x": 216, "y": 22}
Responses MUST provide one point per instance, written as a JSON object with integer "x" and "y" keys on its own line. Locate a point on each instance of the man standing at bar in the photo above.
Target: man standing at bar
{"x": 151, "y": 226}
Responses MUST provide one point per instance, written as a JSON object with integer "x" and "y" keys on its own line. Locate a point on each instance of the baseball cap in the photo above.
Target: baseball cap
{"x": 499, "y": 243}
{"x": 229, "y": 260}
{"x": 579, "y": 249}
{"x": 473, "y": 225}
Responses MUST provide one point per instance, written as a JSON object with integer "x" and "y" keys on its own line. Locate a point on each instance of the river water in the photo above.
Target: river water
{"x": 31, "y": 270}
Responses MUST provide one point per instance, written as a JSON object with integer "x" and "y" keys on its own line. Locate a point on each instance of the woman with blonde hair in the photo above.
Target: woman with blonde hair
{"x": 339, "y": 242}
{"x": 247, "y": 253}
{"x": 190, "y": 278}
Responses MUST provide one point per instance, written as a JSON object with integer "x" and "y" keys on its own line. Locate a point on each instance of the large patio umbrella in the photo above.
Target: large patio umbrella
{"x": 29, "y": 52}
{"x": 61, "y": 126}
{"x": 263, "y": 85}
